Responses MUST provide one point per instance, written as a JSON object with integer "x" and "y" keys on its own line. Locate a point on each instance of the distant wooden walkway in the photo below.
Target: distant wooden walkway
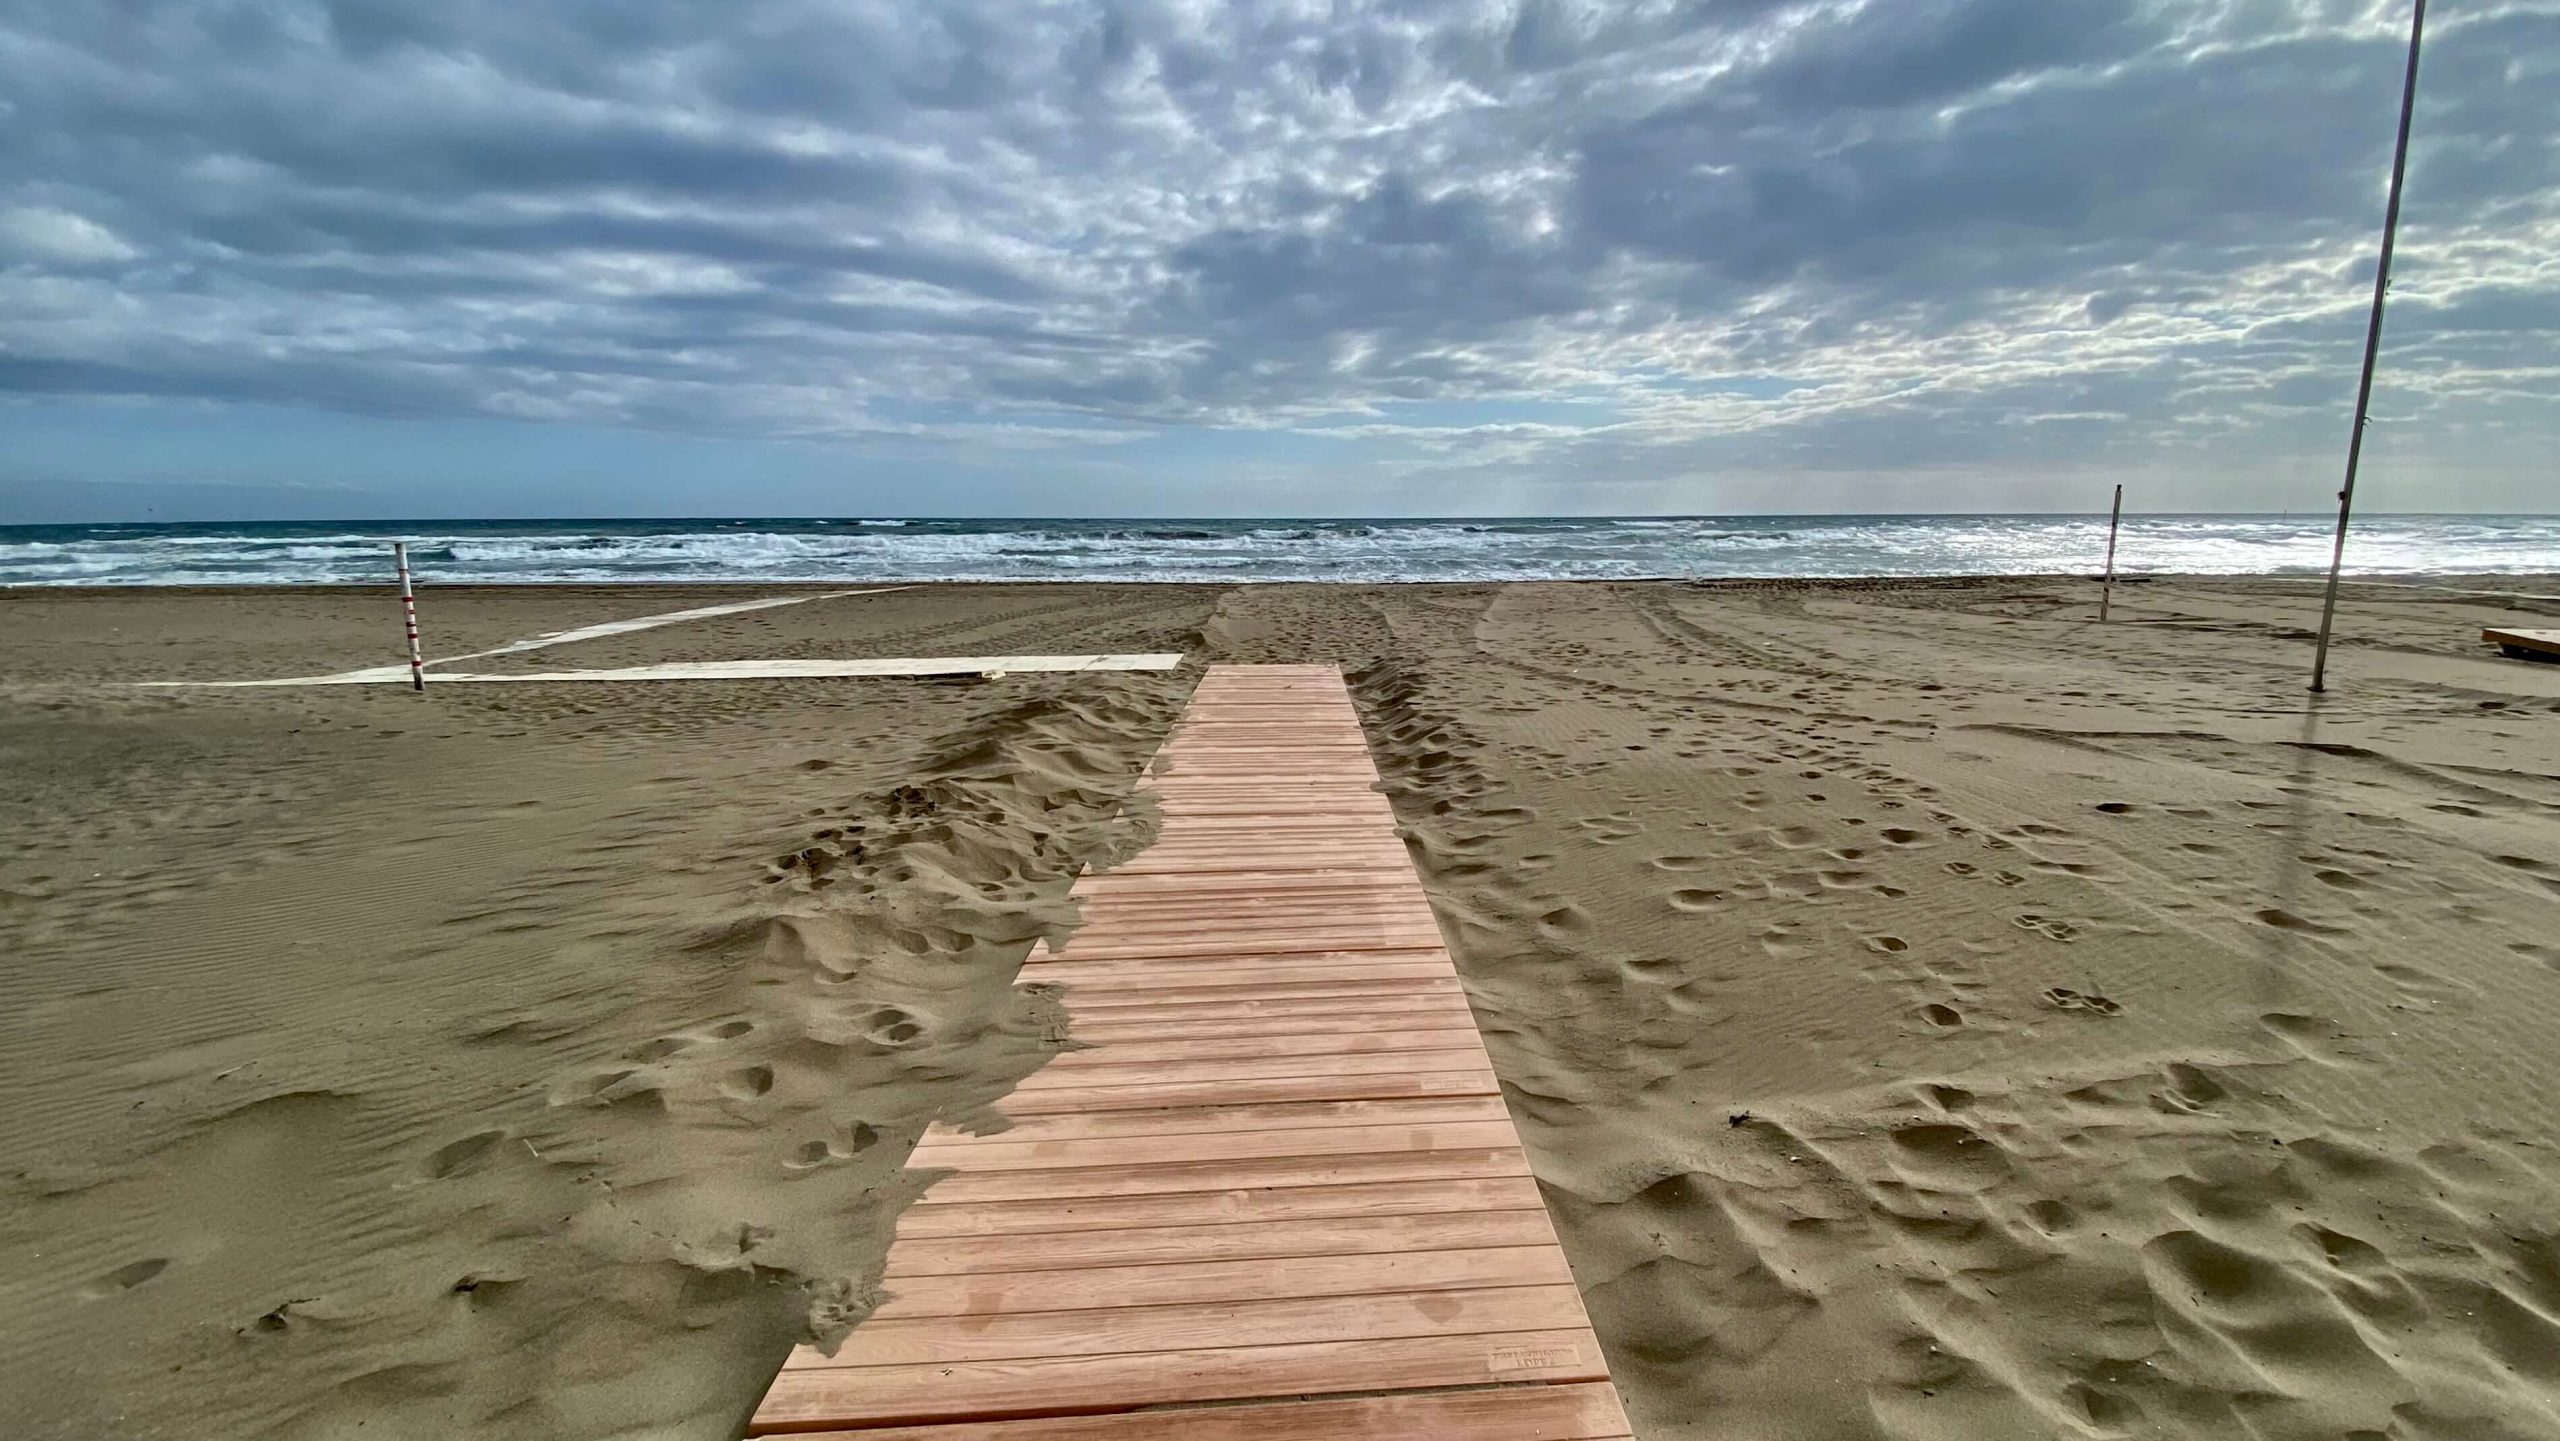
{"x": 1278, "y": 1196}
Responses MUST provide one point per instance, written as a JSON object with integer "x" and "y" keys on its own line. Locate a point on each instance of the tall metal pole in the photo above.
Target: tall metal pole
{"x": 409, "y": 615}
{"x": 2107, "y": 591}
{"x": 2372, "y": 346}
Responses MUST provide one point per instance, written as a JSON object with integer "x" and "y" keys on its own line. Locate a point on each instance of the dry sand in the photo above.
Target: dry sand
{"x": 1930, "y": 1014}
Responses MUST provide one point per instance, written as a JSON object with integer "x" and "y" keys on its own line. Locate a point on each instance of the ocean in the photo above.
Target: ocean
{"x": 490, "y": 552}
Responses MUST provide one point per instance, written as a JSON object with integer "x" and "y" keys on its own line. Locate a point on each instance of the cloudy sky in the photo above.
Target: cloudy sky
{"x": 537, "y": 257}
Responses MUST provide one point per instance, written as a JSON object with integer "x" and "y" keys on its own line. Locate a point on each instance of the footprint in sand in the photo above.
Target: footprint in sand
{"x": 2190, "y": 1089}
{"x": 2052, "y": 1217}
{"x": 2063, "y": 998}
{"x": 813, "y": 1154}
{"x": 461, "y": 1158}
{"x": 124, "y": 1278}
{"x": 2316, "y": 1037}
{"x": 623, "y": 1086}
{"x": 1949, "y": 1157}
{"x": 893, "y": 1027}
{"x": 2052, "y": 929}
{"x": 2285, "y": 920}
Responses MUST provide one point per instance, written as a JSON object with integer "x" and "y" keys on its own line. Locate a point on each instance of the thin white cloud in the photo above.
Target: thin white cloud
{"x": 39, "y": 234}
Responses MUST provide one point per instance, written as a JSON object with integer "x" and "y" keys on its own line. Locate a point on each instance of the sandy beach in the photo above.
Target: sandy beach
{"x": 1930, "y": 1013}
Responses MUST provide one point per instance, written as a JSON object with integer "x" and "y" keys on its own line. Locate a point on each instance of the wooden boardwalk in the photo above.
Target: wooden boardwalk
{"x": 1276, "y": 1195}
{"x": 2525, "y": 644}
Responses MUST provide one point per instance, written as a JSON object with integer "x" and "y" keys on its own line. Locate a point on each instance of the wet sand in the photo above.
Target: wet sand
{"x": 1930, "y": 1013}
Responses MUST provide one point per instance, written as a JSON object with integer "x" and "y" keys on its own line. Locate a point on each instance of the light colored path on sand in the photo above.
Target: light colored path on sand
{"x": 1274, "y": 1193}
{"x": 602, "y": 629}
{"x": 733, "y": 670}
{"x": 399, "y": 672}
{"x": 703, "y": 670}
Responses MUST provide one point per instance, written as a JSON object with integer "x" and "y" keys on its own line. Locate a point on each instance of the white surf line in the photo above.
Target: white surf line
{"x": 731, "y": 670}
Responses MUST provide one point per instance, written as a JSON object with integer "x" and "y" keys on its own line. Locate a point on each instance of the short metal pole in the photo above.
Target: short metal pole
{"x": 2372, "y": 347}
{"x": 409, "y": 615}
{"x": 2107, "y": 590}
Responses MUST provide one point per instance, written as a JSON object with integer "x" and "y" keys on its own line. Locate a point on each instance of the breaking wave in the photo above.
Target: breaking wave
{"x": 490, "y": 552}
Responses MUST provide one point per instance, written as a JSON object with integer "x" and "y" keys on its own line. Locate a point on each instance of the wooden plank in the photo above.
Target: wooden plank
{"x": 1208, "y": 859}
{"x": 1216, "y": 1019}
{"x": 1114, "y": 1016}
{"x": 1115, "y": 915}
{"x": 1115, "y": 882}
{"x": 1099, "y": 1000}
{"x": 1584, "y": 1412}
{"x": 1109, "y": 1031}
{"x": 1327, "y": 803}
{"x": 1268, "y": 1162}
{"x": 1250, "y": 934}
{"x": 1279, "y": 1116}
{"x": 1323, "y": 1050}
{"x": 1107, "y": 1331}
{"x": 960, "y": 1391}
{"x": 1153, "y": 1245}
{"x": 1204, "y": 859}
{"x": 1218, "y": 1282}
{"x": 1278, "y": 1171}
{"x": 1206, "y": 1000}
{"x": 991, "y": 1154}
{"x": 1384, "y": 1085}
{"x": 1223, "y": 970}
{"x": 2532, "y": 644}
{"x": 936, "y": 1217}
{"x": 1300, "y": 889}
{"x": 1224, "y": 976}
{"x": 1071, "y": 1071}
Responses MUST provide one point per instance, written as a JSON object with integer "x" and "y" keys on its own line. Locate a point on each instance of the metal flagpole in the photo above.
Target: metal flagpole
{"x": 2372, "y": 346}
{"x": 2107, "y": 591}
{"x": 409, "y": 614}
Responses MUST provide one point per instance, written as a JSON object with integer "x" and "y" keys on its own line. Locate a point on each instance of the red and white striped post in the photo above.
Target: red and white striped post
{"x": 409, "y": 614}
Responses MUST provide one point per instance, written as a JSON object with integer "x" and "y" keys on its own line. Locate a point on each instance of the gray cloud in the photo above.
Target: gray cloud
{"x": 1755, "y": 237}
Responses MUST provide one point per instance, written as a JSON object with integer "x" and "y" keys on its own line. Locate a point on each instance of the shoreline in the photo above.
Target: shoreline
{"x": 425, "y": 582}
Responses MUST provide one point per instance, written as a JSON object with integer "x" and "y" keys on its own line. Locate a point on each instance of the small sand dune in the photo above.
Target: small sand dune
{"x": 1930, "y": 1014}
